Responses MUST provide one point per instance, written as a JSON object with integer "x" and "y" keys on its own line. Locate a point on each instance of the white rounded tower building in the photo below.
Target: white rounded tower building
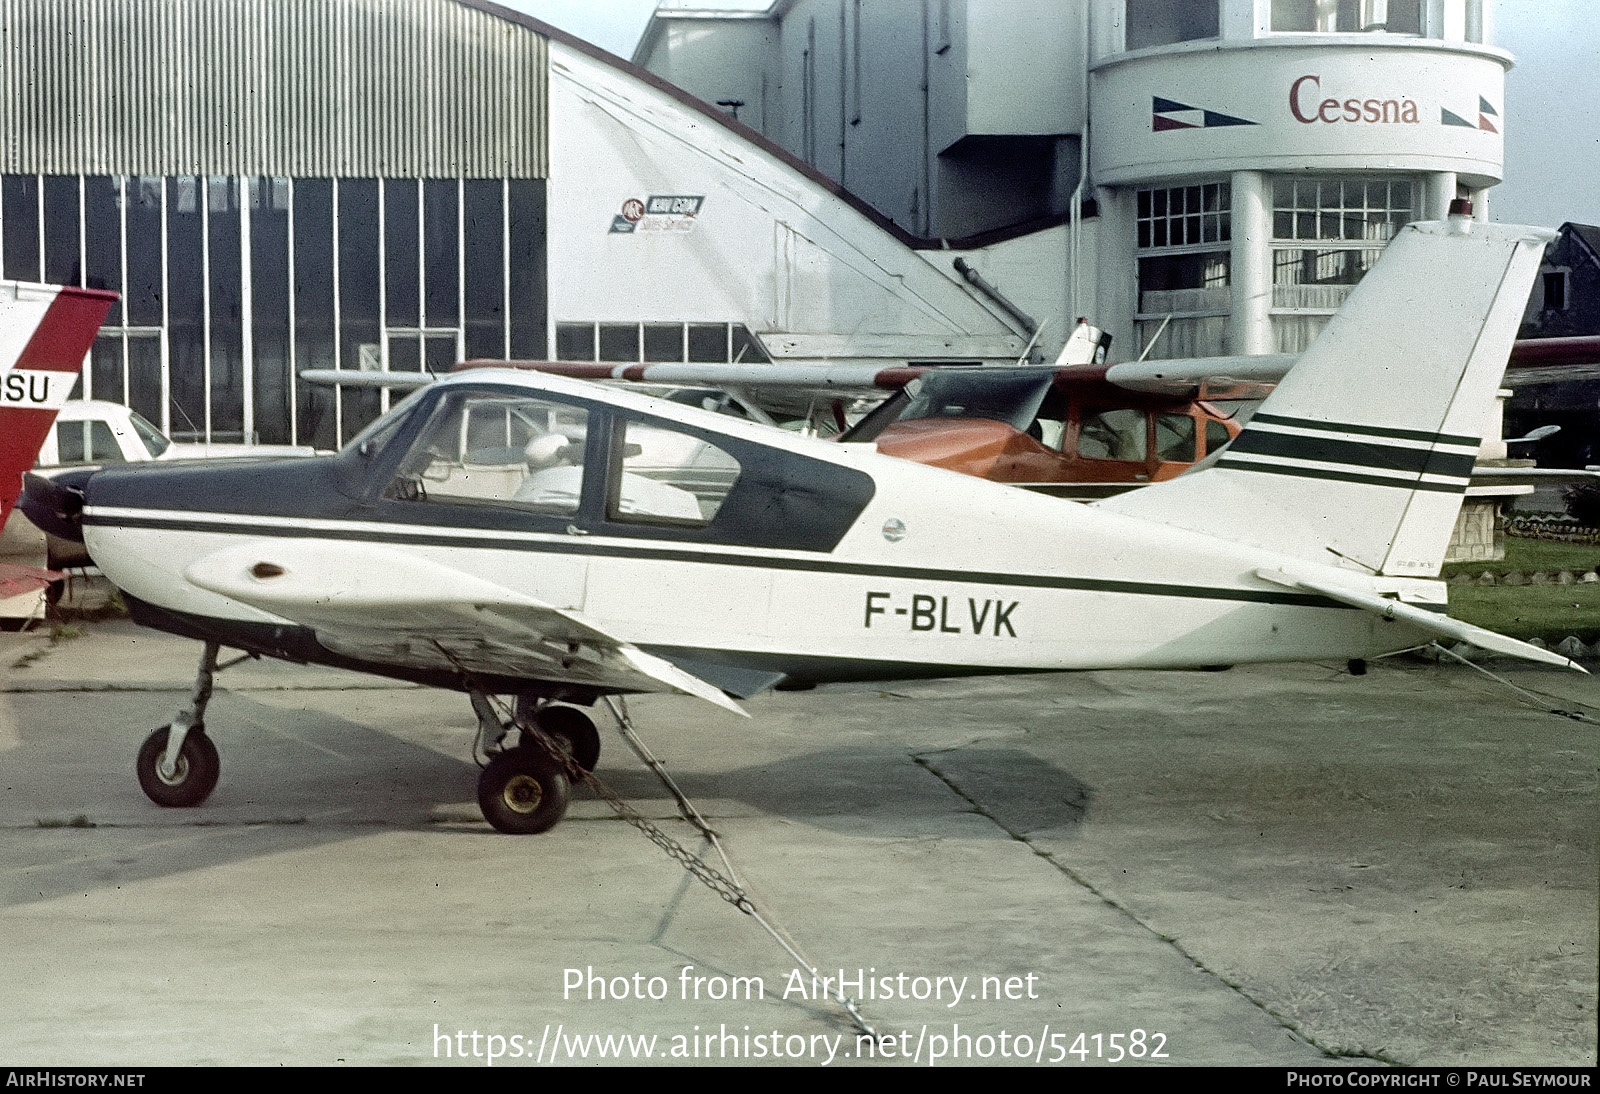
{"x": 1251, "y": 158}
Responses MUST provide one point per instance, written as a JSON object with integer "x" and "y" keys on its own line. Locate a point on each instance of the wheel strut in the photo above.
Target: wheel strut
{"x": 194, "y": 715}
{"x": 177, "y": 765}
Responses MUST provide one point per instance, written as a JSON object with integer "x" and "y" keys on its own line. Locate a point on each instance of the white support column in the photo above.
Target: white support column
{"x": 1480, "y": 204}
{"x": 1441, "y": 187}
{"x": 1250, "y": 262}
{"x": 1244, "y": 20}
{"x": 1116, "y": 259}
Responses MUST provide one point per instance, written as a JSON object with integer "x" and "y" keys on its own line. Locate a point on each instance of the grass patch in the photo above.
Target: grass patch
{"x": 59, "y": 632}
{"x": 1531, "y": 556}
{"x": 1550, "y": 612}
{"x": 110, "y": 607}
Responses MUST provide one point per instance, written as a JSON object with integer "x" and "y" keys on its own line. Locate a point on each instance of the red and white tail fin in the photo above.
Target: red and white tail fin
{"x": 45, "y": 334}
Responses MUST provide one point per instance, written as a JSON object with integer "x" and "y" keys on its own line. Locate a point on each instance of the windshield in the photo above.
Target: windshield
{"x": 152, "y": 437}
{"x": 371, "y": 440}
{"x": 1007, "y": 395}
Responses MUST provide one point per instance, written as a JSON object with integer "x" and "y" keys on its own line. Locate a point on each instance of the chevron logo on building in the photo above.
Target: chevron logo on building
{"x": 1485, "y": 112}
{"x": 1168, "y": 114}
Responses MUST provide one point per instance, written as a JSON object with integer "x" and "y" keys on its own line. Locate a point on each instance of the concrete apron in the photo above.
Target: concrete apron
{"x": 1282, "y": 865}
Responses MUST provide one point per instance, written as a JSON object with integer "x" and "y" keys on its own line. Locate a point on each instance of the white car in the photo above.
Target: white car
{"x": 92, "y": 431}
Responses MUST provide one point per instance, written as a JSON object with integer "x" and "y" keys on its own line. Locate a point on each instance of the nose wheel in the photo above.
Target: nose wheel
{"x": 177, "y": 764}
{"x": 189, "y": 778}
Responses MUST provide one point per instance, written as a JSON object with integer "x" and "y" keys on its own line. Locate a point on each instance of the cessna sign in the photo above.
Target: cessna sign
{"x": 1386, "y": 107}
{"x": 1304, "y": 106}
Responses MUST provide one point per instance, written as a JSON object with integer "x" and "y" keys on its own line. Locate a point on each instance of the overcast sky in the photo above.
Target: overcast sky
{"x": 1552, "y": 111}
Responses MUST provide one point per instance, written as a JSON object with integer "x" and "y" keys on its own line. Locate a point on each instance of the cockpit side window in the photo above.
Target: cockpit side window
{"x": 1175, "y": 438}
{"x": 668, "y": 477}
{"x": 371, "y": 441}
{"x": 1117, "y": 434}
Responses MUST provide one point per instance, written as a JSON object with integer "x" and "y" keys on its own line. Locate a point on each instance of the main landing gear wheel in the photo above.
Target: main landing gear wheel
{"x": 574, "y": 728}
{"x": 568, "y": 725}
{"x": 523, "y": 791}
{"x": 192, "y": 778}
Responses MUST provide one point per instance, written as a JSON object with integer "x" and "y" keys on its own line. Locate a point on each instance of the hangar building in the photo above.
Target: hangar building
{"x": 276, "y": 185}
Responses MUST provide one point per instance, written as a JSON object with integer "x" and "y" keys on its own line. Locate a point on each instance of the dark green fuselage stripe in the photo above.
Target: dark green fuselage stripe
{"x": 1343, "y": 476}
{"x": 1370, "y": 455}
{"x": 1367, "y": 430}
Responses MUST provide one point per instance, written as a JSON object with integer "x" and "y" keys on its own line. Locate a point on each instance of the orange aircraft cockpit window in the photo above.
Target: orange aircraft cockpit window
{"x": 1175, "y": 438}
{"x": 1113, "y": 435}
{"x": 1216, "y": 436}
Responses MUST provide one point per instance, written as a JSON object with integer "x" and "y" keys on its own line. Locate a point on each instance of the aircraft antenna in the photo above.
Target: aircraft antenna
{"x": 1155, "y": 337}
{"x": 1028, "y": 349}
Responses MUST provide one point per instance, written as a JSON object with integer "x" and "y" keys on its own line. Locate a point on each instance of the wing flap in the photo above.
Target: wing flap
{"x": 376, "y": 603}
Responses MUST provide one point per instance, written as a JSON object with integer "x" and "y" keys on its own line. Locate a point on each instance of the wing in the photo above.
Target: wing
{"x": 383, "y": 605}
{"x": 1431, "y": 622}
{"x": 1238, "y": 377}
{"x": 351, "y": 377}
{"x": 16, "y": 580}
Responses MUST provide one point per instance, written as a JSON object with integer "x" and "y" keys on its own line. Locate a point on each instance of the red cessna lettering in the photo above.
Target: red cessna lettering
{"x": 1303, "y": 93}
{"x": 936, "y": 613}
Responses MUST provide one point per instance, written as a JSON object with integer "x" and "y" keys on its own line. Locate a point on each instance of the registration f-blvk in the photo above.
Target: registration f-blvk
{"x": 507, "y": 533}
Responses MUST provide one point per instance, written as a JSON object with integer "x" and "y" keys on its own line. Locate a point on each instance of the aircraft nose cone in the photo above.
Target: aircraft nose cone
{"x": 55, "y": 505}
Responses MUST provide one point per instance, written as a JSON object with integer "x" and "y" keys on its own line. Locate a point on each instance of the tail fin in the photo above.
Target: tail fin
{"x": 1362, "y": 454}
{"x": 45, "y": 333}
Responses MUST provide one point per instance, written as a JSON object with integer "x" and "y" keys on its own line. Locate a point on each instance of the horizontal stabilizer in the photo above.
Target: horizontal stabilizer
{"x": 18, "y": 580}
{"x": 1432, "y": 622}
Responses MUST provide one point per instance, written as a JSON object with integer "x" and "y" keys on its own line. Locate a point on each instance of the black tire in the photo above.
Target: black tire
{"x": 523, "y": 791}
{"x": 577, "y": 729}
{"x": 198, "y": 769}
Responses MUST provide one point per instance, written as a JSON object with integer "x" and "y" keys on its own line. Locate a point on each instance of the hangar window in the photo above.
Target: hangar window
{"x": 1181, "y": 216}
{"x": 231, "y": 285}
{"x": 1347, "y": 16}
{"x": 658, "y": 343}
{"x": 1326, "y": 234}
{"x": 1555, "y": 290}
{"x": 575, "y": 341}
{"x": 1184, "y": 269}
{"x": 619, "y": 341}
{"x": 1165, "y": 22}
